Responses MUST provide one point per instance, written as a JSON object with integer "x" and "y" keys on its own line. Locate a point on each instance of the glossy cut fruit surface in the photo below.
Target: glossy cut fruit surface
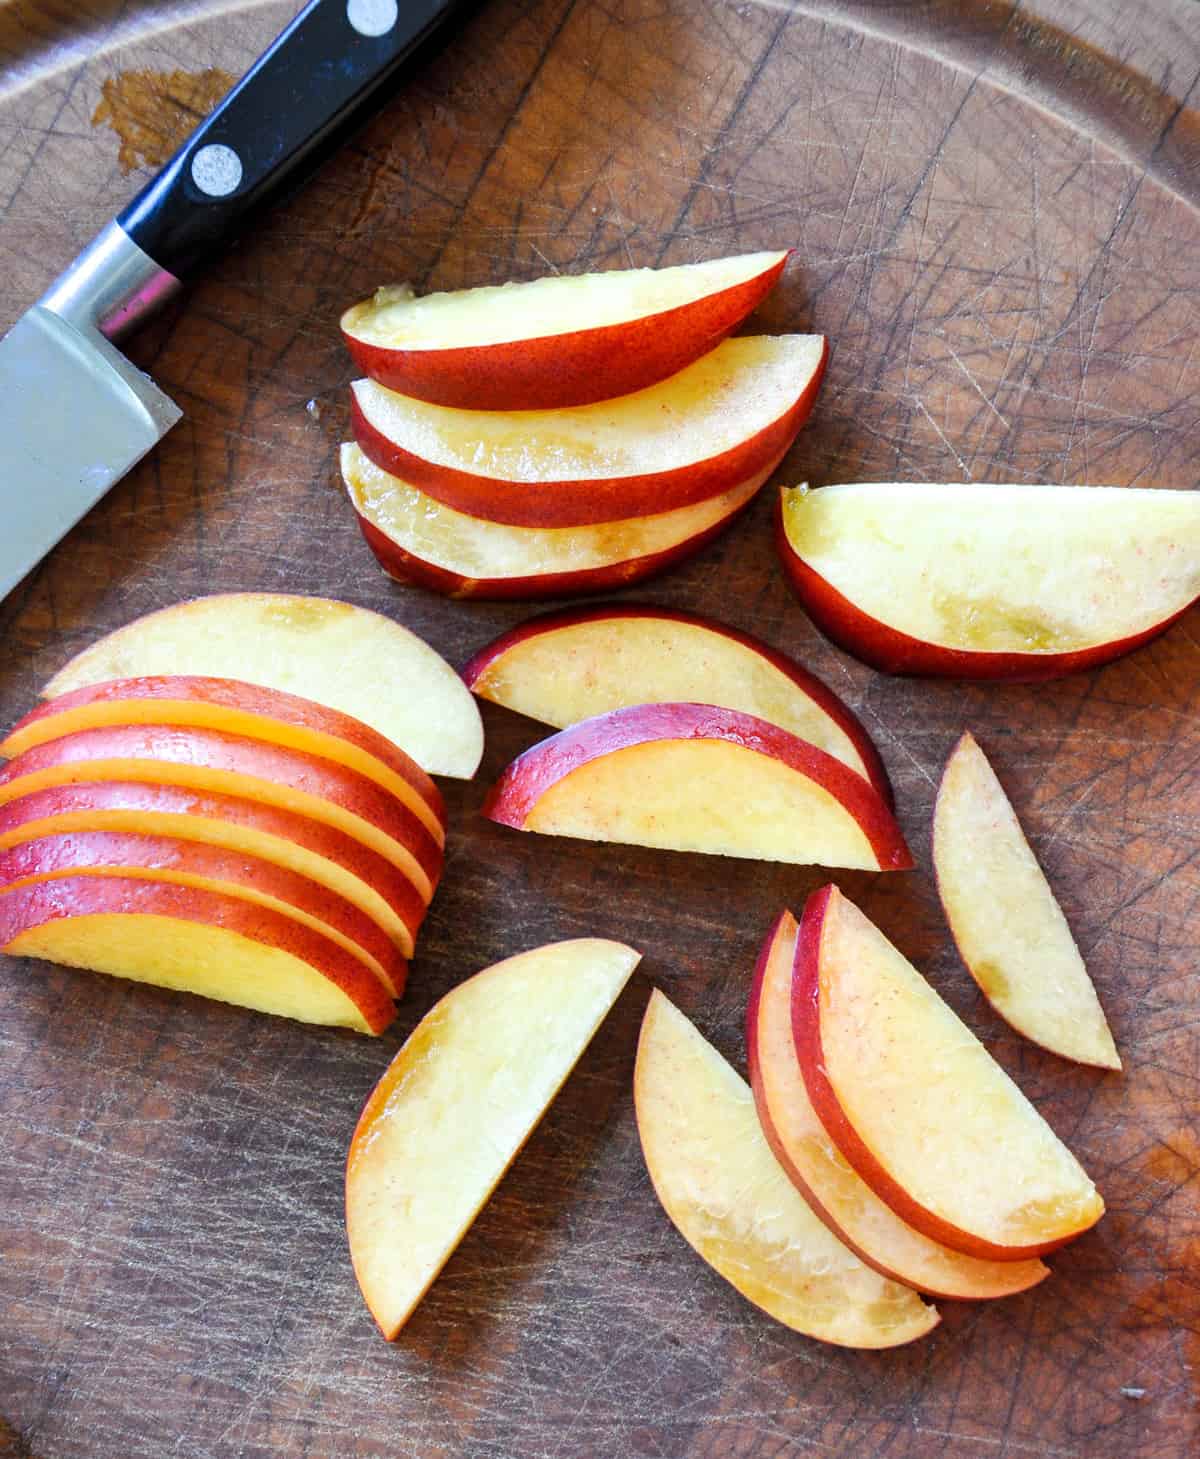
{"x": 991, "y": 582}
{"x": 821, "y": 1173}
{"x": 420, "y": 541}
{"x": 685, "y": 440}
{"x": 558, "y": 341}
{"x": 731, "y": 1201}
{"x": 457, "y": 1103}
{"x": 918, "y": 1106}
{"x": 1010, "y": 930}
{"x": 561, "y": 668}
{"x": 691, "y": 777}
{"x": 336, "y": 654}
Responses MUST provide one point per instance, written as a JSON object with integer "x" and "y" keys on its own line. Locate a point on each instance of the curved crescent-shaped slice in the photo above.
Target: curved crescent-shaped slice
{"x": 564, "y": 667}
{"x": 564, "y": 340}
{"x": 418, "y": 540}
{"x": 332, "y": 653}
{"x": 1010, "y": 931}
{"x": 206, "y": 760}
{"x": 212, "y": 868}
{"x": 819, "y": 1171}
{"x": 194, "y": 941}
{"x": 733, "y": 1204}
{"x": 991, "y": 582}
{"x": 309, "y": 848}
{"x": 240, "y": 709}
{"x": 918, "y": 1106}
{"x": 691, "y": 777}
{"x": 692, "y": 437}
{"x": 457, "y": 1103}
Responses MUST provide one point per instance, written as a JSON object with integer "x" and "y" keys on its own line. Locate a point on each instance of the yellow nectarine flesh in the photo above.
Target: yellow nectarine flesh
{"x": 724, "y": 1190}
{"x": 1009, "y": 928}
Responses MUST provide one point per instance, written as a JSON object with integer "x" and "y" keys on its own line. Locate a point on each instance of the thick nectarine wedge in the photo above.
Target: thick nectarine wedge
{"x": 210, "y": 760}
{"x": 690, "y": 777}
{"x": 918, "y": 1106}
{"x": 418, "y": 540}
{"x": 558, "y": 341}
{"x": 991, "y": 582}
{"x": 195, "y": 941}
{"x": 564, "y": 667}
{"x": 240, "y": 709}
{"x": 332, "y": 653}
{"x": 819, "y": 1171}
{"x": 214, "y": 869}
{"x": 457, "y": 1103}
{"x": 308, "y": 847}
{"x": 692, "y": 437}
{"x": 1010, "y": 931}
{"x": 729, "y": 1198}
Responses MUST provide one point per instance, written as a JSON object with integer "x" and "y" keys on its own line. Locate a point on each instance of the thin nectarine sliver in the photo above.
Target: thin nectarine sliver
{"x": 1010, "y": 930}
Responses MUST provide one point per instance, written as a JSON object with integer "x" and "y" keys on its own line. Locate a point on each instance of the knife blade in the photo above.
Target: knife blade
{"x": 75, "y": 414}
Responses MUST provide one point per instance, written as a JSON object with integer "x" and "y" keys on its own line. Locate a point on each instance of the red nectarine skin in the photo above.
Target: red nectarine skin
{"x": 406, "y": 567}
{"x": 893, "y": 652}
{"x": 34, "y": 904}
{"x": 806, "y": 1030}
{"x": 567, "y": 369}
{"x": 808, "y": 683}
{"x": 165, "y": 745}
{"x": 234, "y": 694}
{"x": 571, "y": 503}
{"x": 110, "y": 852}
{"x": 184, "y": 811}
{"x": 526, "y": 780}
{"x": 952, "y": 1274}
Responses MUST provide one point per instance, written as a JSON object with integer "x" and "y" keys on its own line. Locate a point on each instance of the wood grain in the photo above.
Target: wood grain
{"x": 993, "y": 207}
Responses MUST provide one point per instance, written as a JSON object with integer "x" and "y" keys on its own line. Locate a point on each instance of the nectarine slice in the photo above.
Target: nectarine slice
{"x": 202, "y": 759}
{"x": 212, "y": 868}
{"x": 732, "y": 1203}
{"x": 1009, "y": 928}
{"x": 564, "y": 667}
{"x": 819, "y": 1171}
{"x": 991, "y": 582}
{"x": 558, "y": 341}
{"x": 195, "y": 941}
{"x": 308, "y": 847}
{"x": 457, "y": 1103}
{"x": 421, "y": 541}
{"x": 691, "y": 777}
{"x": 918, "y": 1106}
{"x": 687, "y": 439}
{"x": 240, "y": 709}
{"x": 333, "y": 653}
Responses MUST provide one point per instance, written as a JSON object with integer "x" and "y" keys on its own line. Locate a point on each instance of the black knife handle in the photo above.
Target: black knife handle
{"x": 299, "y": 101}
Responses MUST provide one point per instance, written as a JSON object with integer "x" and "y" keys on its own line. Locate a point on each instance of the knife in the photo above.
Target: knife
{"x": 75, "y": 414}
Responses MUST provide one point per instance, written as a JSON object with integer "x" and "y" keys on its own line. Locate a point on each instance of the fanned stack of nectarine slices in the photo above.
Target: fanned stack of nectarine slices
{"x": 569, "y": 434}
{"x": 174, "y": 815}
{"x": 878, "y": 1152}
{"x": 686, "y": 735}
{"x": 991, "y": 582}
{"x": 457, "y": 1103}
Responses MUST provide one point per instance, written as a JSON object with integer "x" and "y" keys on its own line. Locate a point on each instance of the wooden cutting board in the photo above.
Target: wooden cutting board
{"x": 993, "y": 212}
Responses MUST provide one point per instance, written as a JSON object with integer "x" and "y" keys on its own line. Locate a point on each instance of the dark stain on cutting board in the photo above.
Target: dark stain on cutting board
{"x": 152, "y": 112}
